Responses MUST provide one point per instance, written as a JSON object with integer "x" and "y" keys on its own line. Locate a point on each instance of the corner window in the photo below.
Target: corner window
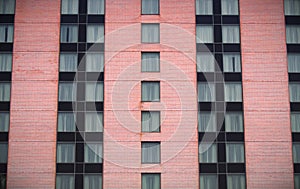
{"x": 66, "y": 92}
{"x": 294, "y": 92}
{"x": 68, "y": 62}
{"x": 4, "y": 92}
{"x": 7, "y": 6}
{"x": 294, "y": 62}
{"x": 231, "y": 62}
{"x": 150, "y": 121}
{"x": 150, "y": 6}
{"x": 236, "y": 181}
{"x": 95, "y": 6}
{"x": 92, "y": 181}
{"x": 207, "y": 122}
{"x": 234, "y": 122}
{"x": 150, "y": 33}
{"x": 204, "y": 34}
{"x": 95, "y": 34}
{"x": 94, "y": 62}
{"x": 5, "y": 62}
{"x": 292, "y": 7}
{"x": 293, "y": 34}
{"x": 208, "y": 181}
{"x": 66, "y": 122}
{"x": 230, "y": 34}
{"x": 2, "y": 181}
{"x": 204, "y": 7}
{"x": 234, "y": 153}
{"x": 94, "y": 122}
{"x": 295, "y": 121}
{"x": 151, "y": 152}
{"x": 68, "y": 33}
{"x": 6, "y": 33}
{"x": 94, "y": 92}
{"x": 65, "y": 153}
{"x": 297, "y": 181}
{"x": 210, "y": 153}
{"x": 93, "y": 153}
{"x": 150, "y": 91}
{"x": 206, "y": 92}
{"x": 4, "y": 121}
{"x": 150, "y": 62}
{"x": 69, "y": 7}
{"x": 205, "y": 62}
{"x": 296, "y": 152}
{"x": 3, "y": 152}
{"x": 230, "y": 7}
{"x": 150, "y": 181}
{"x": 65, "y": 181}
{"x": 233, "y": 92}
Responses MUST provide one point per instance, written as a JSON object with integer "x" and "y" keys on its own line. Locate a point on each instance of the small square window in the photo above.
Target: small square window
{"x": 4, "y": 92}
{"x": 65, "y": 153}
{"x": 65, "y": 181}
{"x": 92, "y": 181}
{"x": 68, "y": 33}
{"x": 69, "y": 7}
{"x": 150, "y": 121}
{"x": 93, "y": 153}
{"x": 207, "y": 122}
{"x": 234, "y": 153}
{"x": 94, "y": 122}
{"x": 236, "y": 181}
{"x": 4, "y": 121}
{"x": 233, "y": 92}
{"x": 151, "y": 152}
{"x": 150, "y": 91}
{"x": 208, "y": 181}
{"x": 296, "y": 152}
{"x": 68, "y": 62}
{"x": 95, "y": 33}
{"x": 150, "y": 181}
{"x": 3, "y": 152}
{"x": 231, "y": 62}
{"x": 294, "y": 62}
{"x": 150, "y": 62}
{"x": 150, "y": 6}
{"x": 294, "y": 92}
{"x": 230, "y": 7}
{"x": 208, "y": 153}
{"x": 5, "y": 62}
{"x": 66, "y": 122}
{"x": 230, "y": 34}
{"x": 67, "y": 92}
{"x": 204, "y": 34}
{"x": 204, "y": 7}
{"x": 6, "y": 33}
{"x": 95, "y": 6}
{"x": 205, "y": 62}
{"x": 295, "y": 122}
{"x": 206, "y": 92}
{"x": 234, "y": 122}
{"x": 7, "y": 6}
{"x": 150, "y": 33}
{"x": 94, "y": 92}
{"x": 94, "y": 62}
{"x": 293, "y": 34}
{"x": 292, "y": 7}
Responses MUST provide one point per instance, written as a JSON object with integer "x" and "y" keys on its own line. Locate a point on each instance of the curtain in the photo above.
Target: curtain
{"x": 204, "y": 7}
{"x": 150, "y": 33}
{"x": 3, "y": 152}
{"x": 150, "y": 62}
{"x": 2, "y": 181}
{"x": 150, "y": 121}
{"x": 93, "y": 153}
{"x": 95, "y": 34}
{"x": 297, "y": 180}
{"x": 233, "y": 92}
{"x": 66, "y": 122}
{"x": 65, "y": 182}
{"x": 150, "y": 6}
{"x": 292, "y": 7}
{"x": 294, "y": 92}
{"x": 208, "y": 156}
{"x": 234, "y": 122}
{"x": 4, "y": 121}
{"x": 68, "y": 33}
{"x": 208, "y": 181}
{"x": 235, "y": 153}
{"x": 95, "y": 6}
{"x": 230, "y": 34}
{"x": 204, "y": 34}
{"x": 150, "y": 181}
{"x": 231, "y": 63}
{"x": 92, "y": 181}
{"x": 6, "y": 33}
{"x": 68, "y": 62}
{"x": 94, "y": 62}
{"x": 206, "y": 92}
{"x": 5, "y": 62}
{"x": 150, "y": 152}
{"x": 230, "y": 7}
{"x": 150, "y": 91}
{"x": 7, "y": 6}
{"x": 296, "y": 152}
{"x": 294, "y": 63}
{"x": 5, "y": 92}
{"x": 295, "y": 122}
{"x": 94, "y": 92}
{"x": 65, "y": 153}
{"x": 236, "y": 181}
{"x": 293, "y": 34}
{"x": 206, "y": 122}
{"x": 67, "y": 92}
{"x": 69, "y": 6}
{"x": 94, "y": 122}
{"x": 205, "y": 62}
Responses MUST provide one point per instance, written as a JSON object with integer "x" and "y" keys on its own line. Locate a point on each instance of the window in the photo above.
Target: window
{"x": 68, "y": 33}
{"x": 206, "y": 92}
{"x": 68, "y": 62}
{"x": 235, "y": 153}
{"x": 150, "y": 33}
{"x": 94, "y": 92}
{"x": 231, "y": 62}
{"x": 294, "y": 62}
{"x": 65, "y": 153}
{"x": 205, "y": 62}
{"x": 93, "y": 153}
{"x": 92, "y": 181}
{"x": 234, "y": 122}
{"x": 151, "y": 121}
{"x": 94, "y": 62}
{"x": 94, "y": 122}
{"x": 69, "y": 7}
{"x": 150, "y": 91}
{"x": 150, "y": 181}
{"x": 295, "y": 121}
{"x": 150, "y": 152}
{"x": 204, "y": 34}
{"x": 5, "y": 62}
{"x": 233, "y": 92}
{"x": 207, "y": 153}
{"x": 204, "y": 7}
{"x": 207, "y": 122}
{"x": 297, "y": 181}
{"x": 7, "y": 7}
{"x": 230, "y": 34}
{"x": 294, "y": 92}
{"x": 150, "y": 62}
{"x": 293, "y": 34}
{"x": 4, "y": 92}
{"x": 66, "y": 122}
{"x": 95, "y": 34}
{"x": 3, "y": 152}
{"x": 65, "y": 181}
{"x": 95, "y": 6}
{"x": 230, "y": 7}
{"x": 208, "y": 181}
{"x": 292, "y": 7}
{"x": 67, "y": 91}
{"x": 236, "y": 181}
{"x": 6, "y": 33}
{"x": 4, "y": 121}
{"x": 2, "y": 181}
{"x": 150, "y": 6}
{"x": 296, "y": 152}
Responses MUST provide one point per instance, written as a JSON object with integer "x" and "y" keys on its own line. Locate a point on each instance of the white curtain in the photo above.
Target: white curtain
{"x": 205, "y": 62}
{"x": 68, "y": 62}
{"x": 204, "y": 7}
{"x": 65, "y": 153}
{"x": 7, "y": 6}
{"x": 67, "y": 92}
{"x": 4, "y": 121}
{"x": 234, "y": 153}
{"x": 92, "y": 181}
{"x": 4, "y": 92}
{"x": 297, "y": 180}
{"x": 94, "y": 122}
{"x": 210, "y": 155}
{"x": 68, "y": 33}
{"x": 295, "y": 122}
{"x": 233, "y": 92}
{"x": 151, "y": 121}
{"x": 208, "y": 181}
{"x": 150, "y": 62}
{"x": 294, "y": 92}
{"x": 3, "y": 152}
{"x": 150, "y": 33}
{"x": 230, "y": 34}
{"x": 94, "y": 62}
{"x": 150, "y": 152}
{"x": 293, "y": 34}
{"x": 236, "y": 181}
{"x": 150, "y": 181}
{"x": 150, "y": 6}
{"x": 206, "y": 92}
{"x": 69, "y": 6}
{"x": 292, "y": 7}
{"x": 296, "y": 152}
{"x": 206, "y": 122}
{"x": 94, "y": 92}
{"x": 204, "y": 34}
{"x": 234, "y": 122}
{"x": 95, "y": 34}
{"x": 66, "y": 122}
{"x": 150, "y": 91}
{"x": 95, "y": 6}
{"x": 231, "y": 63}
{"x": 65, "y": 182}
{"x": 5, "y": 62}
{"x": 294, "y": 63}
{"x": 93, "y": 153}
{"x": 230, "y": 7}
{"x": 6, "y": 33}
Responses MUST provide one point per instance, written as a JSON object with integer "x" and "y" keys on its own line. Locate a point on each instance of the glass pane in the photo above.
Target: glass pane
{"x": 3, "y": 152}
{"x": 206, "y": 92}
{"x": 206, "y": 122}
{"x": 68, "y": 62}
{"x": 292, "y": 7}
{"x": 95, "y": 6}
{"x": 294, "y": 63}
{"x": 230, "y": 34}
{"x": 150, "y": 121}
{"x": 205, "y": 62}
{"x": 294, "y": 92}
{"x": 94, "y": 122}
{"x": 5, "y": 62}
{"x": 208, "y": 181}
{"x": 66, "y": 122}
{"x": 234, "y": 122}
{"x": 150, "y": 62}
{"x": 93, "y": 153}
{"x": 65, "y": 182}
{"x": 95, "y": 34}
{"x": 94, "y": 92}
{"x": 295, "y": 121}
{"x": 230, "y": 7}
{"x": 4, "y": 92}
{"x": 233, "y": 92}
{"x": 68, "y": 33}
{"x": 150, "y": 181}
{"x": 207, "y": 153}
{"x": 150, "y": 91}
{"x": 65, "y": 153}
{"x": 7, "y": 6}
{"x": 204, "y": 7}
{"x": 235, "y": 153}
{"x": 204, "y": 34}
{"x": 296, "y": 152}
{"x": 67, "y": 92}
{"x": 6, "y": 33}
{"x": 4, "y": 121}
{"x": 94, "y": 62}
{"x": 69, "y": 7}
{"x": 150, "y": 33}
{"x": 150, "y": 6}
{"x": 92, "y": 181}
{"x": 231, "y": 62}
{"x": 297, "y": 181}
{"x": 236, "y": 181}
{"x": 2, "y": 181}
{"x": 150, "y": 152}
{"x": 293, "y": 34}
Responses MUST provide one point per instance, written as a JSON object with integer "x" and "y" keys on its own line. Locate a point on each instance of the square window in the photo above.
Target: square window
{"x": 205, "y": 62}
{"x": 151, "y": 152}
{"x": 230, "y": 34}
{"x": 208, "y": 181}
{"x": 92, "y": 181}
{"x": 5, "y": 62}
{"x": 204, "y": 34}
{"x": 3, "y": 152}
{"x": 207, "y": 122}
{"x": 292, "y": 34}
{"x": 69, "y": 7}
{"x": 65, "y": 153}
{"x": 94, "y": 62}
{"x": 231, "y": 62}
{"x": 208, "y": 153}
{"x": 95, "y": 33}
{"x": 94, "y": 122}
{"x": 295, "y": 122}
{"x": 6, "y": 33}
{"x": 150, "y": 121}
{"x": 66, "y": 122}
{"x": 65, "y": 181}
{"x": 204, "y": 7}
{"x": 150, "y": 33}
{"x": 234, "y": 122}
{"x": 67, "y": 92}
{"x": 292, "y": 7}
{"x": 68, "y": 33}
{"x": 294, "y": 92}
{"x": 233, "y": 92}
{"x": 150, "y": 62}
{"x": 236, "y": 181}
{"x": 206, "y": 92}
{"x": 296, "y": 152}
{"x": 7, "y": 6}
{"x": 95, "y": 6}
{"x": 93, "y": 153}
{"x": 150, "y": 181}
{"x": 4, "y": 121}
{"x": 4, "y": 92}
{"x": 68, "y": 62}
{"x": 150, "y": 6}
{"x": 150, "y": 91}
{"x": 94, "y": 92}
{"x": 294, "y": 62}
{"x": 234, "y": 153}
{"x": 230, "y": 7}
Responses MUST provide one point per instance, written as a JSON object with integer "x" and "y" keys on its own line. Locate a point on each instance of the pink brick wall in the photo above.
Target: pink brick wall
{"x": 32, "y": 135}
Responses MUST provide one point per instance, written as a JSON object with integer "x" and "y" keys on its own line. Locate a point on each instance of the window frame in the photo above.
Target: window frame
{"x": 159, "y": 95}
{"x": 142, "y": 60}
{"x": 159, "y": 152}
{"x": 159, "y": 126}
{"x": 150, "y": 42}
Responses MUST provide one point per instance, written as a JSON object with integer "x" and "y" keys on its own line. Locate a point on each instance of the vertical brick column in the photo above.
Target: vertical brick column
{"x": 32, "y": 135}
{"x": 266, "y": 96}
